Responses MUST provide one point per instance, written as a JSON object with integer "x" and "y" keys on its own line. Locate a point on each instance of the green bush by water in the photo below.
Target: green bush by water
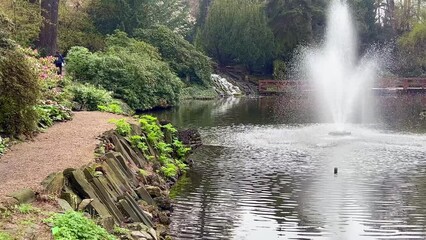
{"x": 183, "y": 57}
{"x": 88, "y": 97}
{"x": 131, "y": 69}
{"x": 170, "y": 156}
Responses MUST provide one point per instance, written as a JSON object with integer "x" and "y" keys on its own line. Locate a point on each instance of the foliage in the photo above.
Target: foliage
{"x": 26, "y": 19}
{"x": 5, "y": 236}
{"x": 183, "y": 58}
{"x": 197, "y": 92}
{"x": 170, "y": 167}
{"x": 50, "y": 113}
{"x": 74, "y": 225}
{"x": 180, "y": 149}
{"x": 76, "y": 28}
{"x": 121, "y": 231}
{"x": 169, "y": 127}
{"x": 26, "y": 208}
{"x": 122, "y": 127}
{"x": 113, "y": 107}
{"x": 2, "y": 146}
{"x": 127, "y": 15}
{"x": 143, "y": 172}
{"x": 138, "y": 142}
{"x": 413, "y": 50}
{"x": 19, "y": 92}
{"x": 365, "y": 20}
{"x": 295, "y": 22}
{"x": 169, "y": 170}
{"x": 164, "y": 148}
{"x": 132, "y": 69}
{"x": 236, "y": 32}
{"x": 279, "y": 70}
{"x": 88, "y": 97}
{"x": 149, "y": 125}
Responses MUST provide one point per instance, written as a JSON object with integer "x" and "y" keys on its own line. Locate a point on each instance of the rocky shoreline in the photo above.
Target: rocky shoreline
{"x": 127, "y": 185}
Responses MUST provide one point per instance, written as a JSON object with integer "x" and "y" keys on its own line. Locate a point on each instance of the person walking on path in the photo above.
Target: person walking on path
{"x": 59, "y": 62}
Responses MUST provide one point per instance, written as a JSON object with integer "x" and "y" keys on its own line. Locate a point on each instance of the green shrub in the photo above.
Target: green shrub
{"x": 19, "y": 93}
{"x": 74, "y": 225}
{"x": 26, "y": 208}
{"x": 138, "y": 142}
{"x": 169, "y": 170}
{"x": 89, "y": 97}
{"x": 170, "y": 167}
{"x": 132, "y": 69}
{"x": 2, "y": 146}
{"x": 198, "y": 92}
{"x": 122, "y": 127}
{"x": 48, "y": 114}
{"x": 113, "y": 107}
{"x": 183, "y": 57}
{"x": 5, "y": 236}
{"x": 180, "y": 148}
{"x": 279, "y": 70}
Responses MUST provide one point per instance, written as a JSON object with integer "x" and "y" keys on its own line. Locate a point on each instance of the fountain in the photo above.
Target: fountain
{"x": 340, "y": 77}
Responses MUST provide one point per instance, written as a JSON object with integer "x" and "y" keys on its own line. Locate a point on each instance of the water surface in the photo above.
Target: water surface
{"x": 266, "y": 172}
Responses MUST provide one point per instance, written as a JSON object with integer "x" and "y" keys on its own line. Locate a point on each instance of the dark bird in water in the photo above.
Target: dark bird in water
{"x": 335, "y": 170}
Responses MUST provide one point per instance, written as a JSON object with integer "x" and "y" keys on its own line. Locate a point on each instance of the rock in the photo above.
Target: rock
{"x": 164, "y": 203}
{"x": 53, "y": 183}
{"x": 144, "y": 195}
{"x": 161, "y": 231}
{"x": 24, "y": 196}
{"x": 108, "y": 223}
{"x": 164, "y": 219}
{"x": 72, "y": 198}
{"x": 84, "y": 204}
{"x": 138, "y": 227}
{"x": 9, "y": 202}
{"x": 3, "y": 209}
{"x": 145, "y": 212}
{"x": 31, "y": 232}
{"x": 141, "y": 235}
{"x": 153, "y": 191}
{"x": 64, "y": 205}
{"x": 190, "y": 137}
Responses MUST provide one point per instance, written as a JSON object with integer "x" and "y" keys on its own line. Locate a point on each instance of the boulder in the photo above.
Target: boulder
{"x": 153, "y": 191}
{"x": 24, "y": 196}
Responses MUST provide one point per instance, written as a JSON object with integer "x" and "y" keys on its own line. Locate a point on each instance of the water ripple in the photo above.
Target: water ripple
{"x": 277, "y": 182}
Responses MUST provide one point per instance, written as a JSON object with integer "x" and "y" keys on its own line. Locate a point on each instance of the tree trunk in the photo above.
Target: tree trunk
{"x": 47, "y": 42}
{"x": 391, "y": 8}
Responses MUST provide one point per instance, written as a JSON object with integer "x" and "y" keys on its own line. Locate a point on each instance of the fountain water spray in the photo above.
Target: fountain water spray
{"x": 340, "y": 77}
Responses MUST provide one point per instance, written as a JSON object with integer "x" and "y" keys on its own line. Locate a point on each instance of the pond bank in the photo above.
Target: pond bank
{"x": 126, "y": 187}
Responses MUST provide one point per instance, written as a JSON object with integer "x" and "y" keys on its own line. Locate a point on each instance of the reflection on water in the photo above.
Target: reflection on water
{"x": 392, "y": 112}
{"x": 262, "y": 177}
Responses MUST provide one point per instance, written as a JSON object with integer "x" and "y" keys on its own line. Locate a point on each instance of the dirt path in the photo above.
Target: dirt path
{"x": 69, "y": 144}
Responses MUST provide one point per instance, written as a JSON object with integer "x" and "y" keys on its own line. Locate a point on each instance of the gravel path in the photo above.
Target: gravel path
{"x": 64, "y": 145}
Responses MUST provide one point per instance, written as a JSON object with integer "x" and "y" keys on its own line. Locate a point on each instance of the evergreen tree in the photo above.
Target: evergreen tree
{"x": 295, "y": 22}
{"x": 236, "y": 32}
{"x": 127, "y": 15}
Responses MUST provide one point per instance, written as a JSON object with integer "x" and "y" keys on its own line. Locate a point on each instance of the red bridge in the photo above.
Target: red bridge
{"x": 386, "y": 84}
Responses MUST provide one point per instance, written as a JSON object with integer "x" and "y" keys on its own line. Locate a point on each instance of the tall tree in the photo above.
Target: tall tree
{"x": 295, "y": 22}
{"x": 47, "y": 42}
{"x": 127, "y": 15}
{"x": 26, "y": 18}
{"x": 236, "y": 32}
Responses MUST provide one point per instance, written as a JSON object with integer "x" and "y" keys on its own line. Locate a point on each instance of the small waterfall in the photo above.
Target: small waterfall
{"x": 223, "y": 87}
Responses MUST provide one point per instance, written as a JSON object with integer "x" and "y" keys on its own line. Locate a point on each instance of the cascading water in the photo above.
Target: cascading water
{"x": 223, "y": 87}
{"x": 339, "y": 76}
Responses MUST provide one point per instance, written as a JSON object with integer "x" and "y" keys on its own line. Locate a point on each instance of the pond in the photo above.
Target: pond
{"x": 266, "y": 171}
